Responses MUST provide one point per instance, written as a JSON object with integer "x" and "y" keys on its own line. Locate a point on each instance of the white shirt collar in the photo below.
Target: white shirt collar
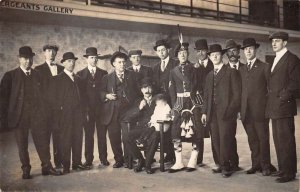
{"x": 49, "y": 64}
{"x": 280, "y": 53}
{"x": 91, "y": 68}
{"x": 218, "y": 67}
{"x": 252, "y": 61}
{"x": 237, "y": 64}
{"x": 205, "y": 61}
{"x": 136, "y": 67}
{"x": 166, "y": 60}
{"x": 70, "y": 74}
{"x": 24, "y": 70}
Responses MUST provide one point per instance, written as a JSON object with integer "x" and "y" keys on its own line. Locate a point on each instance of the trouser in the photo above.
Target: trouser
{"x": 54, "y": 132}
{"x": 258, "y": 139}
{"x": 89, "y": 129}
{"x": 114, "y": 134}
{"x": 39, "y": 136}
{"x": 71, "y": 134}
{"x": 234, "y": 161}
{"x": 222, "y": 135}
{"x": 151, "y": 145}
{"x": 285, "y": 145}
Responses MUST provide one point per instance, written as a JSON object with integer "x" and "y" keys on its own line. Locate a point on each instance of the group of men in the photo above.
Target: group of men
{"x": 206, "y": 98}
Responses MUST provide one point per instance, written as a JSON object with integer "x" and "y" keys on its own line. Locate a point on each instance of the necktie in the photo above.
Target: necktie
{"x": 163, "y": 66}
{"x": 52, "y": 64}
{"x": 249, "y": 66}
{"x": 93, "y": 73}
{"x": 215, "y": 71}
{"x": 27, "y": 73}
{"x": 72, "y": 75}
{"x": 234, "y": 66}
{"x": 202, "y": 63}
{"x": 121, "y": 77}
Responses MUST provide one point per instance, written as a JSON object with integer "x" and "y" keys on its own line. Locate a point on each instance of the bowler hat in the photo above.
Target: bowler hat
{"x": 117, "y": 54}
{"x": 201, "y": 44}
{"x": 91, "y": 51}
{"x": 68, "y": 55}
{"x": 249, "y": 42}
{"x": 160, "y": 43}
{"x": 230, "y": 43}
{"x": 26, "y": 52}
{"x": 146, "y": 82}
{"x": 279, "y": 35}
{"x": 215, "y": 48}
{"x": 135, "y": 52}
{"x": 181, "y": 47}
{"x": 48, "y": 46}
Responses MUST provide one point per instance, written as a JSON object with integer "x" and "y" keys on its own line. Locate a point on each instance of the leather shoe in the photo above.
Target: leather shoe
{"x": 190, "y": 169}
{"x": 60, "y": 166}
{"x": 266, "y": 172}
{"x": 217, "y": 170}
{"x": 226, "y": 174}
{"x": 277, "y": 174}
{"x": 175, "y": 170}
{"x": 118, "y": 165}
{"x": 26, "y": 175}
{"x": 80, "y": 167}
{"x": 105, "y": 163}
{"x": 149, "y": 171}
{"x": 51, "y": 171}
{"x": 285, "y": 179}
{"x": 140, "y": 165}
{"x": 235, "y": 168}
{"x": 201, "y": 164}
{"x": 251, "y": 171}
{"x": 66, "y": 171}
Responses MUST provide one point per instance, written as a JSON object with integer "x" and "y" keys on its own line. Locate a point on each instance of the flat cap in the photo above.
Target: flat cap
{"x": 135, "y": 52}
{"x": 279, "y": 35}
{"x": 49, "y": 46}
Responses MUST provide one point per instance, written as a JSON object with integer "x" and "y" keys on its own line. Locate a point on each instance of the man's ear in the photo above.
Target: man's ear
{"x": 284, "y": 43}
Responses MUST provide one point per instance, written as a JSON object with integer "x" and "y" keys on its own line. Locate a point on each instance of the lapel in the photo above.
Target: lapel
{"x": 221, "y": 73}
{"x": 112, "y": 82}
{"x": 85, "y": 73}
{"x": 126, "y": 78}
{"x": 280, "y": 63}
{"x": 254, "y": 67}
{"x": 47, "y": 69}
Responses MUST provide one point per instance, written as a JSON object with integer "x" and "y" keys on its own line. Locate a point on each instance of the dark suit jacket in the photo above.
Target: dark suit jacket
{"x": 228, "y": 93}
{"x": 156, "y": 75}
{"x": 91, "y": 95}
{"x": 254, "y": 90}
{"x": 283, "y": 87}
{"x": 107, "y": 85}
{"x": 145, "y": 71}
{"x": 12, "y": 97}
{"x": 59, "y": 103}
{"x": 46, "y": 79}
{"x": 140, "y": 118}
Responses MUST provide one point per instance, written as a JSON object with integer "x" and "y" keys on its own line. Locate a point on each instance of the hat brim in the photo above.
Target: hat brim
{"x": 50, "y": 47}
{"x": 257, "y": 45}
{"x": 238, "y": 47}
{"x": 75, "y": 58}
{"x": 98, "y": 55}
